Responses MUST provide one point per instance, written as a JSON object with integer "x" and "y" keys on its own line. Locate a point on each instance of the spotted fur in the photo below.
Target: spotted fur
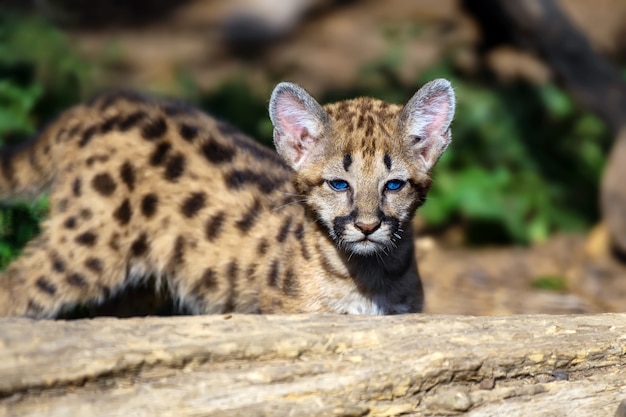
{"x": 142, "y": 187}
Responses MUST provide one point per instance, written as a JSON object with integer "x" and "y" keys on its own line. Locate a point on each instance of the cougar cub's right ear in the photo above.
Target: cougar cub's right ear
{"x": 299, "y": 124}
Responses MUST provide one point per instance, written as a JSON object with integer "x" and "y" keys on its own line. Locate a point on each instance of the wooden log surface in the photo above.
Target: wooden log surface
{"x": 532, "y": 365}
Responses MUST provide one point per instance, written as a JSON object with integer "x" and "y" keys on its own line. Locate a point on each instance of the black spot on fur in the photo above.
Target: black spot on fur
{"x": 57, "y": 264}
{"x": 175, "y": 167}
{"x": 154, "y": 129}
{"x": 284, "y": 230}
{"x": 127, "y": 173}
{"x": 76, "y": 280}
{"x": 188, "y": 132}
{"x": 140, "y": 245}
{"x": 86, "y": 239}
{"x": 249, "y": 218}
{"x": 46, "y": 286}
{"x": 131, "y": 120}
{"x": 387, "y": 161}
{"x": 159, "y": 154}
{"x": 70, "y": 222}
{"x": 114, "y": 242}
{"x": 109, "y": 124}
{"x": 103, "y": 184}
{"x": 85, "y": 213}
{"x": 94, "y": 265}
{"x": 290, "y": 285}
{"x": 34, "y": 307}
{"x": 214, "y": 226}
{"x": 347, "y": 161}
{"x": 123, "y": 213}
{"x": 239, "y": 178}
{"x": 149, "y": 205}
{"x": 232, "y": 272}
{"x": 193, "y": 204}
{"x": 217, "y": 153}
{"x": 299, "y": 231}
{"x": 87, "y": 135}
{"x": 207, "y": 282}
{"x": 262, "y": 247}
{"x": 76, "y": 185}
{"x": 272, "y": 276}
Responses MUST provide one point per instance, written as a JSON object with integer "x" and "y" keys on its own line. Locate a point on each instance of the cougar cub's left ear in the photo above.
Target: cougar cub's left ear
{"x": 425, "y": 121}
{"x": 299, "y": 124}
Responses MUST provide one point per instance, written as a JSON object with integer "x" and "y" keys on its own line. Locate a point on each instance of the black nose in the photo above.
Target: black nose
{"x": 367, "y": 228}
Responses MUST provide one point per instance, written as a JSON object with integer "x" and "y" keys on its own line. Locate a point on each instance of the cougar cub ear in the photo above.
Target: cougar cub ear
{"x": 299, "y": 124}
{"x": 425, "y": 121}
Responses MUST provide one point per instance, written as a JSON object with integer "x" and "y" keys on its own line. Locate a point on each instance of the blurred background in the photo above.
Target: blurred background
{"x": 513, "y": 223}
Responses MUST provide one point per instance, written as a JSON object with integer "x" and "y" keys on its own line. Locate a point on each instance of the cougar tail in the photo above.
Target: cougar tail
{"x": 28, "y": 168}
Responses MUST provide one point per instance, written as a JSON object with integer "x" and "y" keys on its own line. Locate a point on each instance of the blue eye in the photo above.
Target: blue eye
{"x": 394, "y": 185}
{"x": 339, "y": 185}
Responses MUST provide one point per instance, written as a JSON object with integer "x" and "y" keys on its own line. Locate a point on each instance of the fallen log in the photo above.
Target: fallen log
{"x": 533, "y": 365}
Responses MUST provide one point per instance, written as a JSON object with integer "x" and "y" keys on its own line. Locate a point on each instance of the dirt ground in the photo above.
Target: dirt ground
{"x": 329, "y": 48}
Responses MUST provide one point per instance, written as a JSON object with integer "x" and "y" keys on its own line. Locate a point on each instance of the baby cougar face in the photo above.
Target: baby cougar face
{"x": 366, "y": 186}
{"x": 363, "y": 164}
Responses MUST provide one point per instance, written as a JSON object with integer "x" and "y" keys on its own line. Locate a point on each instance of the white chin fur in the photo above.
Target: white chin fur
{"x": 365, "y": 248}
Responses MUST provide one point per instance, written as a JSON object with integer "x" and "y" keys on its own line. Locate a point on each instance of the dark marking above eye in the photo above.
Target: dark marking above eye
{"x": 193, "y": 204}
{"x": 154, "y": 129}
{"x": 347, "y": 161}
{"x": 46, "y": 286}
{"x": 103, "y": 184}
{"x": 387, "y": 161}
{"x": 127, "y": 172}
{"x": 159, "y": 154}
{"x": 188, "y": 132}
{"x": 217, "y": 153}
{"x": 175, "y": 167}
{"x": 123, "y": 213}
{"x": 149, "y": 204}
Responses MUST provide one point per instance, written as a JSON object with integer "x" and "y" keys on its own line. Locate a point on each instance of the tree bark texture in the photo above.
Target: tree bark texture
{"x": 314, "y": 366}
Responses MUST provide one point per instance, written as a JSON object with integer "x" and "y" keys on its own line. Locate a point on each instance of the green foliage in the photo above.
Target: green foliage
{"x": 524, "y": 158}
{"x": 550, "y": 283}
